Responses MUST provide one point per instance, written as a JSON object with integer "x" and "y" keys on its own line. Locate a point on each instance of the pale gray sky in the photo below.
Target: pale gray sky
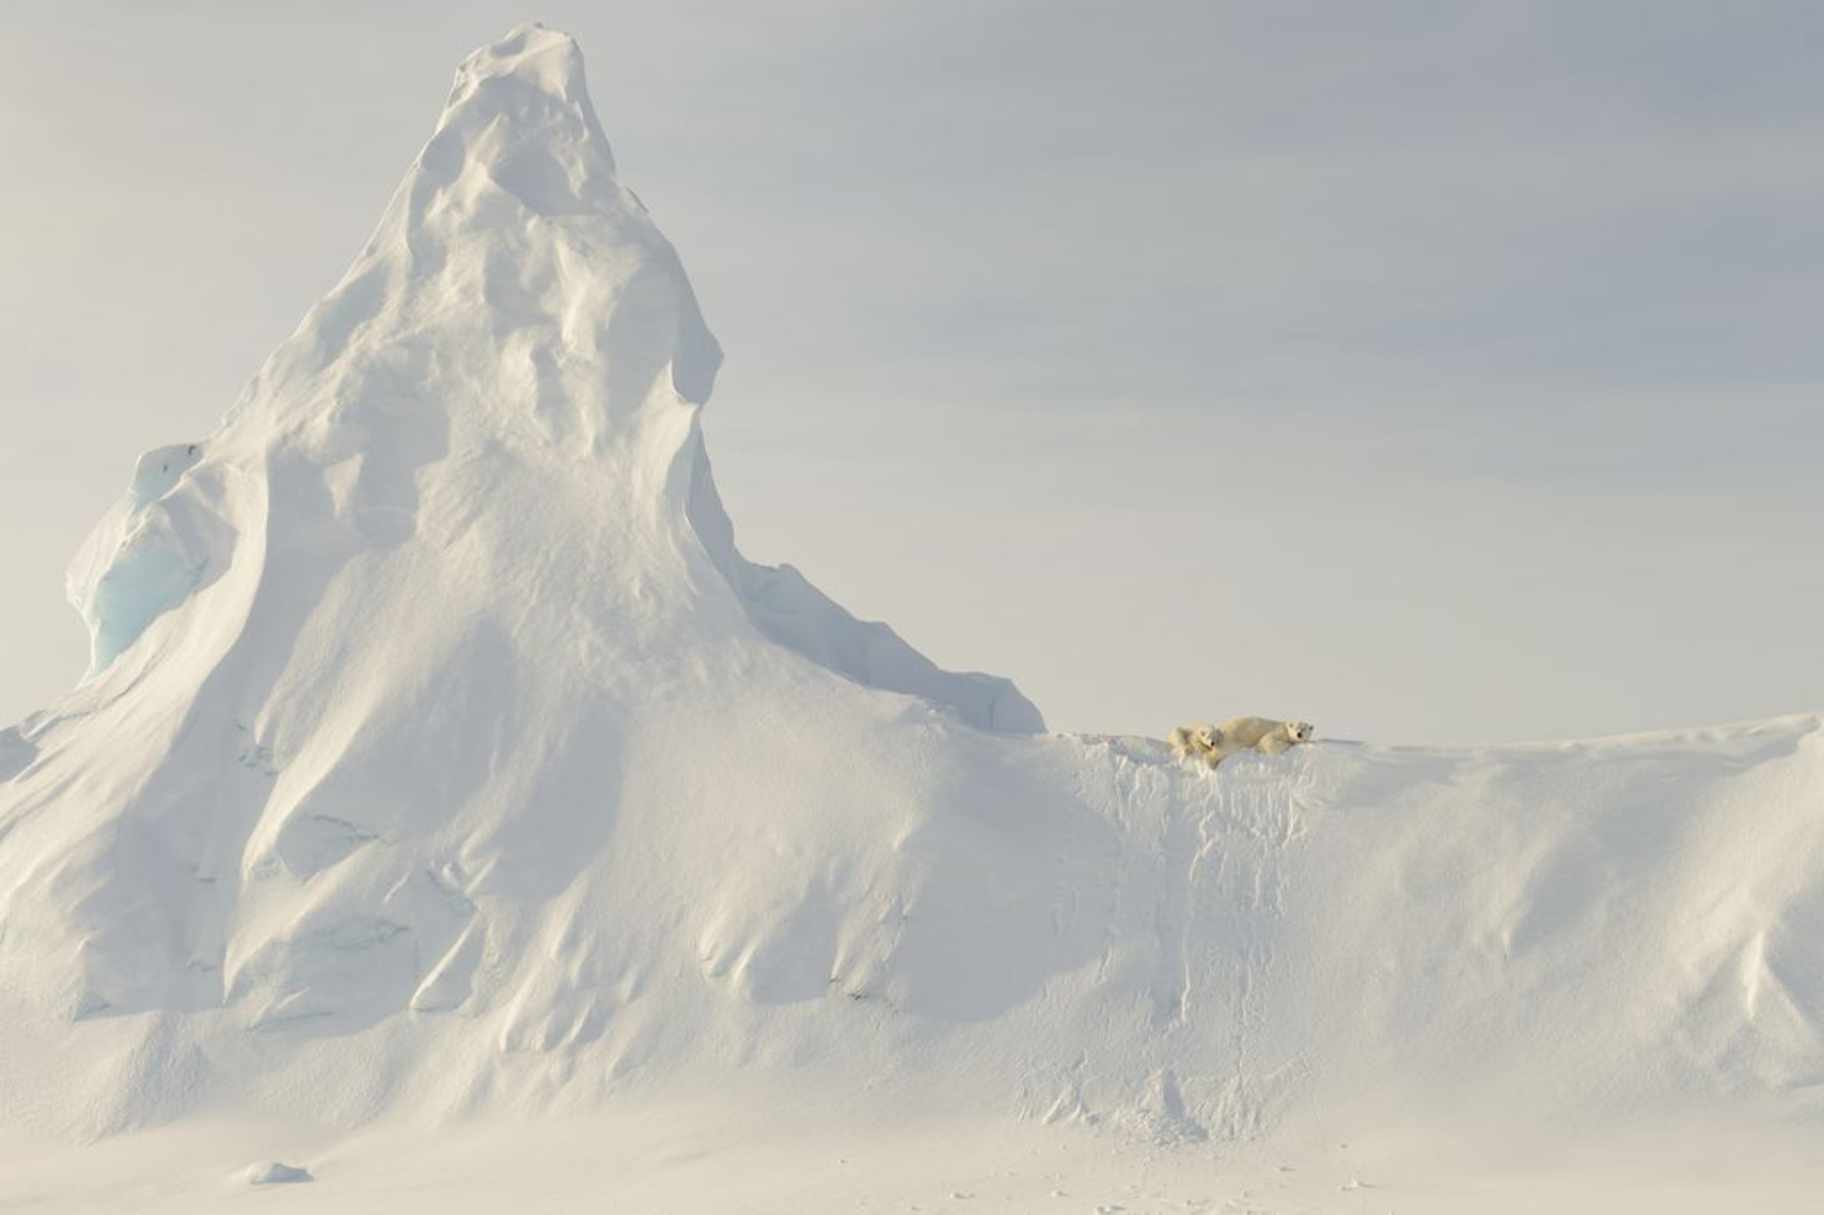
{"x": 1438, "y": 372}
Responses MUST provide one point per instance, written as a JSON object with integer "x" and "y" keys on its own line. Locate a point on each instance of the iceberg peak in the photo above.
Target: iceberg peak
{"x": 519, "y": 114}
{"x": 499, "y": 397}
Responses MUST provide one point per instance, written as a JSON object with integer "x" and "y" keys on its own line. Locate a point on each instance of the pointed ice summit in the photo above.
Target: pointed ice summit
{"x": 411, "y": 625}
{"x": 517, "y": 343}
{"x": 441, "y": 752}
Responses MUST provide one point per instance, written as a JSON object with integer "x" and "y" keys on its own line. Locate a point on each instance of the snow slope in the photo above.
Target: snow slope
{"x": 443, "y": 756}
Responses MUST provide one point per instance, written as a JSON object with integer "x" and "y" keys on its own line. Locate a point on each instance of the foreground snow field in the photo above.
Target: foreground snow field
{"x": 454, "y": 813}
{"x": 761, "y": 1154}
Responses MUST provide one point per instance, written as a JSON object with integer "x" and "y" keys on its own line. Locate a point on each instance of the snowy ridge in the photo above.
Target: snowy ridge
{"x": 443, "y": 754}
{"x": 792, "y": 612}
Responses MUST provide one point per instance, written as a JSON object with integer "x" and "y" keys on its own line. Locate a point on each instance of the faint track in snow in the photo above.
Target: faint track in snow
{"x": 1256, "y": 812}
{"x": 1209, "y": 850}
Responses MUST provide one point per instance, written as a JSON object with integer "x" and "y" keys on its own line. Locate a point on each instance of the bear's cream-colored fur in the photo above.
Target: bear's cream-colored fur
{"x": 1210, "y": 745}
{"x": 1263, "y": 734}
{"x": 1197, "y": 741}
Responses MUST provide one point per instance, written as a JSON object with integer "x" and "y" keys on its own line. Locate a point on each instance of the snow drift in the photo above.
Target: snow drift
{"x": 441, "y": 752}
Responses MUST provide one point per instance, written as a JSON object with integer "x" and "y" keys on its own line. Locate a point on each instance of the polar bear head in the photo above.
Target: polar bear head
{"x": 1300, "y": 731}
{"x": 1205, "y": 737}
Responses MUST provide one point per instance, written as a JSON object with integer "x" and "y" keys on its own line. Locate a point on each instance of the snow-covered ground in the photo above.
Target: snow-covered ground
{"x": 453, "y": 813}
{"x": 768, "y": 1154}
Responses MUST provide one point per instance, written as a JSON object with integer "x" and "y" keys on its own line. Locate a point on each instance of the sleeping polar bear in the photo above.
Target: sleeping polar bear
{"x": 1210, "y": 745}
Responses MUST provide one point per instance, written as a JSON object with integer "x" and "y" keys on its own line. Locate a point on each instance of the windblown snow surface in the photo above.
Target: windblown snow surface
{"x": 453, "y": 813}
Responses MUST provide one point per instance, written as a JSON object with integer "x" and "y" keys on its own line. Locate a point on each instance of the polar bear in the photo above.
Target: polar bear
{"x": 1210, "y": 745}
{"x": 1198, "y": 741}
{"x": 1262, "y": 734}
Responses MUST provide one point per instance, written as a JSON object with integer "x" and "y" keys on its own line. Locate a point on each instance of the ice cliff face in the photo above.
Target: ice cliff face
{"x": 442, "y": 751}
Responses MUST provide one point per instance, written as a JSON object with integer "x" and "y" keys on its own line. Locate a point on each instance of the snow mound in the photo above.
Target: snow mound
{"x": 443, "y": 754}
{"x": 275, "y": 1173}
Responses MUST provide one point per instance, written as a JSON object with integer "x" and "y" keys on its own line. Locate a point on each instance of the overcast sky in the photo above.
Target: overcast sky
{"x": 1440, "y": 372}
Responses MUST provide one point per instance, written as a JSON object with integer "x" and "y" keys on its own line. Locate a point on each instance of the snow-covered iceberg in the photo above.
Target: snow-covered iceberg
{"x": 442, "y": 752}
